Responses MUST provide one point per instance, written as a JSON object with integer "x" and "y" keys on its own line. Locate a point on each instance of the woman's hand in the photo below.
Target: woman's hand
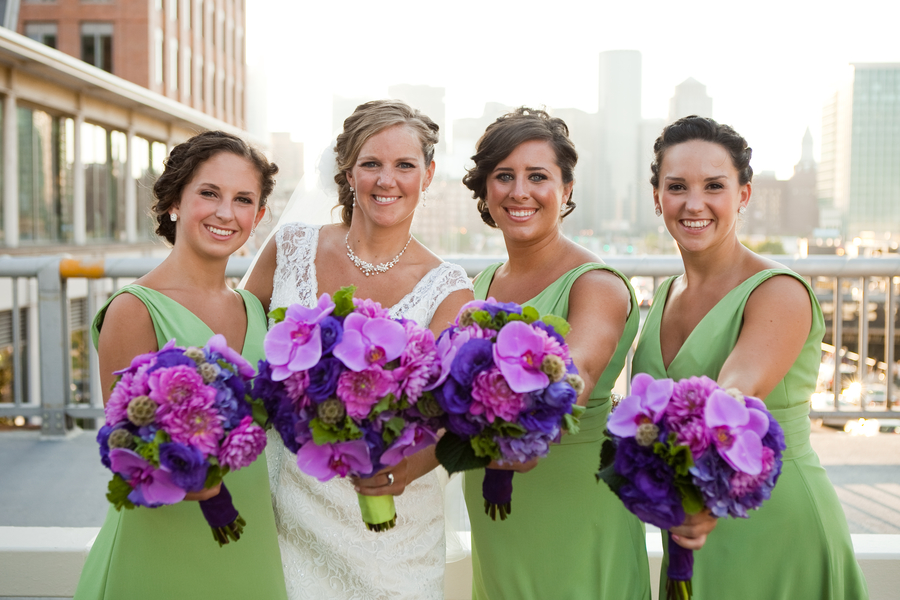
{"x": 692, "y": 533}
{"x": 204, "y": 494}
{"x": 518, "y": 467}
{"x": 390, "y": 481}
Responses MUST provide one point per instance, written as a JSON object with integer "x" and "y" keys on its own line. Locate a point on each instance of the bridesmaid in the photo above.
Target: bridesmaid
{"x": 746, "y": 322}
{"x": 567, "y": 537}
{"x": 209, "y": 199}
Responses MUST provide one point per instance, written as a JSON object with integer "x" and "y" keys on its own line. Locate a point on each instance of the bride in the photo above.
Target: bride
{"x": 384, "y": 165}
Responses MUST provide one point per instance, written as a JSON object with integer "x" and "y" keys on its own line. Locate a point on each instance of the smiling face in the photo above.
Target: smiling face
{"x": 389, "y": 176}
{"x": 219, "y": 206}
{"x": 700, "y": 194}
{"x": 525, "y": 192}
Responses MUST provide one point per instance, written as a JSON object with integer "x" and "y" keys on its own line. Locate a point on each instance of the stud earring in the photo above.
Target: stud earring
{"x": 658, "y": 211}
{"x": 173, "y": 217}
{"x": 742, "y": 209}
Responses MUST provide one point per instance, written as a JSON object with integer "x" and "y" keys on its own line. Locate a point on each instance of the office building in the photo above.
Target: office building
{"x": 690, "y": 99}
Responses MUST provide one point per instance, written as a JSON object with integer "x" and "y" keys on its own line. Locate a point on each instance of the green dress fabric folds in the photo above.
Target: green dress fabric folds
{"x": 169, "y": 552}
{"x": 797, "y": 545}
{"x": 567, "y": 537}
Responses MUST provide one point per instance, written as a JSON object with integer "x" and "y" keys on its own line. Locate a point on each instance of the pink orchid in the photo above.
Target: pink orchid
{"x": 646, "y": 404}
{"x": 518, "y": 352}
{"x": 737, "y": 431}
{"x": 412, "y": 439}
{"x": 218, "y": 345}
{"x": 369, "y": 342}
{"x": 329, "y": 460}
{"x": 295, "y": 344}
{"x": 152, "y": 486}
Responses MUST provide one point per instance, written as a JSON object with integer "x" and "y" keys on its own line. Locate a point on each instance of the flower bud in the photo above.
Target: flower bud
{"x": 142, "y": 411}
{"x": 554, "y": 367}
{"x": 331, "y": 411}
{"x": 647, "y": 434}
{"x": 195, "y": 354}
{"x": 208, "y": 371}
{"x": 121, "y": 438}
{"x": 465, "y": 318}
{"x": 429, "y": 407}
{"x": 576, "y": 382}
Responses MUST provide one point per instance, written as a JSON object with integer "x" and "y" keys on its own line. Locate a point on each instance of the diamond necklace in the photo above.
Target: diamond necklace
{"x": 368, "y": 268}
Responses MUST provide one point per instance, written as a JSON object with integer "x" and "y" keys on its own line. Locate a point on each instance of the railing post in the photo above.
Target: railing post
{"x": 837, "y": 322}
{"x": 52, "y": 328}
{"x": 889, "y": 343}
{"x": 862, "y": 346}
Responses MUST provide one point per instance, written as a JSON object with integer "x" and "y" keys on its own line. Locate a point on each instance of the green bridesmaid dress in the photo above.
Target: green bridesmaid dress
{"x": 797, "y": 545}
{"x": 169, "y": 552}
{"x": 567, "y": 537}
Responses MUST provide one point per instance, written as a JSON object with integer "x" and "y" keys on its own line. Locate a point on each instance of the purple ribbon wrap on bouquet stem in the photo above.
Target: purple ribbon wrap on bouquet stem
{"x": 497, "y": 492}
{"x": 679, "y": 572}
{"x": 219, "y": 511}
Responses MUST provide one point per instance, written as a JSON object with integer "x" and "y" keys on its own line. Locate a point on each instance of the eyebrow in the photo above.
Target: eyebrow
{"x": 526, "y": 168}
{"x": 401, "y": 159}
{"x": 217, "y": 188}
{"x": 714, "y": 178}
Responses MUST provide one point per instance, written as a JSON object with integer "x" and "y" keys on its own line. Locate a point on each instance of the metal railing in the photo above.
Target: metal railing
{"x": 47, "y": 282}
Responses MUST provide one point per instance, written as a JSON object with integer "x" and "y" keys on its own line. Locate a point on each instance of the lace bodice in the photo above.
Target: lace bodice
{"x": 326, "y": 550}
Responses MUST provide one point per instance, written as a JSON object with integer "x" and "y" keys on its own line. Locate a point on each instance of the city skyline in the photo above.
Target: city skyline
{"x": 769, "y": 71}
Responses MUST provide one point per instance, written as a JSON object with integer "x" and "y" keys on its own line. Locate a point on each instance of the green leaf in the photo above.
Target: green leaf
{"x": 483, "y": 318}
{"x": 456, "y": 454}
{"x": 149, "y": 451}
{"x": 561, "y": 326}
{"x": 277, "y": 314}
{"x": 214, "y": 474}
{"x": 578, "y": 410}
{"x": 343, "y": 301}
{"x": 677, "y": 457}
{"x": 607, "y": 453}
{"x": 530, "y": 314}
{"x": 325, "y": 433}
{"x": 259, "y": 412}
{"x": 382, "y": 405}
{"x": 392, "y": 429}
{"x": 484, "y": 446}
{"x": 506, "y": 429}
{"x": 570, "y": 424}
{"x": 691, "y": 499}
{"x": 118, "y": 493}
{"x": 613, "y": 480}
{"x": 226, "y": 365}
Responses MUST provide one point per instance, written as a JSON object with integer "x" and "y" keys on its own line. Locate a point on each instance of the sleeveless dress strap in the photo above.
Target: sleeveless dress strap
{"x": 152, "y": 300}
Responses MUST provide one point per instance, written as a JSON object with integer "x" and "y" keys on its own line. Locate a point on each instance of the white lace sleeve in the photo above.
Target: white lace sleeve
{"x": 421, "y": 303}
{"x": 295, "y": 266}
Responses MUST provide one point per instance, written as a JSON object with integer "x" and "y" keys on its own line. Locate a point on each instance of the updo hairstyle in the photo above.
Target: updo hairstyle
{"x": 370, "y": 119}
{"x": 504, "y": 135}
{"x": 184, "y": 160}
{"x": 705, "y": 129}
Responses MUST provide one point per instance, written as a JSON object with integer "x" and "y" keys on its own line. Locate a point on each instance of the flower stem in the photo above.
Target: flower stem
{"x": 378, "y": 512}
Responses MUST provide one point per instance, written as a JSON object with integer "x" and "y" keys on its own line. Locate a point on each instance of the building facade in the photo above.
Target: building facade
{"x": 192, "y": 51}
{"x": 859, "y": 175}
{"x": 690, "y": 99}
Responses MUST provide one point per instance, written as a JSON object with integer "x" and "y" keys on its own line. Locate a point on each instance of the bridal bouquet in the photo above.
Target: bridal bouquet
{"x": 178, "y": 421}
{"x": 508, "y": 388}
{"x": 680, "y": 447}
{"x": 343, "y": 384}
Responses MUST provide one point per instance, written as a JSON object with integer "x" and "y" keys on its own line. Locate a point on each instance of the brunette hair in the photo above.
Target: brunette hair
{"x": 184, "y": 160}
{"x": 504, "y": 135}
{"x": 370, "y": 119}
{"x": 705, "y": 129}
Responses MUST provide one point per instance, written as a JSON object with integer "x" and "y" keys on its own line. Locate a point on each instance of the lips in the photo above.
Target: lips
{"x": 521, "y": 213}
{"x": 221, "y": 232}
{"x": 385, "y": 199}
{"x": 695, "y": 223}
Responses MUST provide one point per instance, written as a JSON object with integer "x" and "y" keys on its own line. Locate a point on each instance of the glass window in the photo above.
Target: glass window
{"x": 147, "y": 165}
{"x": 44, "y": 33}
{"x": 173, "y": 64}
{"x": 159, "y": 55}
{"x": 96, "y": 45}
{"x": 173, "y": 9}
{"x": 45, "y": 176}
{"x": 186, "y": 86}
{"x": 7, "y": 348}
{"x": 201, "y": 80}
{"x": 104, "y": 154}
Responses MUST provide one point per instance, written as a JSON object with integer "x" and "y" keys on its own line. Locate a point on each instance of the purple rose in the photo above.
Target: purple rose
{"x": 331, "y": 331}
{"x": 323, "y": 378}
{"x": 560, "y": 395}
{"x": 472, "y": 358}
{"x": 543, "y": 418}
{"x": 462, "y": 426}
{"x": 493, "y": 307}
{"x": 453, "y": 397}
{"x": 171, "y": 357}
{"x": 649, "y": 492}
{"x": 103, "y": 440}
{"x": 185, "y": 464}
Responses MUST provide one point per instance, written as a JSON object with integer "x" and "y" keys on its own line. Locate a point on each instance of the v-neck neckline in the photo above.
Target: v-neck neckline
{"x": 201, "y": 321}
{"x": 543, "y": 291}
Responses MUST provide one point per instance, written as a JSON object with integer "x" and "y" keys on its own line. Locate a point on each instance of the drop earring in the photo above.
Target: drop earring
{"x": 353, "y": 196}
{"x": 424, "y": 197}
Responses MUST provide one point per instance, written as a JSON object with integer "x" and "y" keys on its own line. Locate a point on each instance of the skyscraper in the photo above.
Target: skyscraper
{"x": 690, "y": 99}
{"x": 619, "y": 114}
{"x": 860, "y": 169}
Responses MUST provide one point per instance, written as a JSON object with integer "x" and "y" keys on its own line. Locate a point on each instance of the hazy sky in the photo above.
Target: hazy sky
{"x": 768, "y": 65}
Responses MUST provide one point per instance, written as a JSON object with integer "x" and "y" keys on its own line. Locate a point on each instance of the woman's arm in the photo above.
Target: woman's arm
{"x": 598, "y": 308}
{"x": 446, "y": 312}
{"x": 777, "y": 321}
{"x": 261, "y": 281}
{"x": 127, "y": 332}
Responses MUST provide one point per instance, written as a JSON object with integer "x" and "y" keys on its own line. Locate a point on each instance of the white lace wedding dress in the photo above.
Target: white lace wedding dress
{"x": 326, "y": 550}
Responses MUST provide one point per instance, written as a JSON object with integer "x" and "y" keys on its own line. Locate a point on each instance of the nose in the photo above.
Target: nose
{"x": 519, "y": 189}
{"x": 694, "y": 202}
{"x": 386, "y": 178}
{"x": 225, "y": 210}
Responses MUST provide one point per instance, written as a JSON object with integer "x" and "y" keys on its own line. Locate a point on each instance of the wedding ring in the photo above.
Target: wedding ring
{"x": 390, "y": 477}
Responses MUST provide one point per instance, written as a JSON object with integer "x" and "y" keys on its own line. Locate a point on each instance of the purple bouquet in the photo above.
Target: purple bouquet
{"x": 677, "y": 448}
{"x": 507, "y": 389}
{"x": 177, "y": 421}
{"x": 344, "y": 386}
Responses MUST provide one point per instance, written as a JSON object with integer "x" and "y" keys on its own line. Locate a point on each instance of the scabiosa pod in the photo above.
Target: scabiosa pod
{"x": 179, "y": 419}
{"x": 364, "y": 403}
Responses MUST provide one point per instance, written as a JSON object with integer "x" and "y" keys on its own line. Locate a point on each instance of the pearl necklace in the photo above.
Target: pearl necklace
{"x": 368, "y": 268}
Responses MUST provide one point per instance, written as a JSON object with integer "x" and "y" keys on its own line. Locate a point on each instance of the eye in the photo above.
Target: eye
{"x": 406, "y": 165}
{"x": 537, "y": 177}
{"x": 715, "y": 186}
{"x": 675, "y": 187}
{"x": 244, "y": 200}
{"x": 504, "y": 177}
{"x": 208, "y": 193}
{"x": 368, "y": 164}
